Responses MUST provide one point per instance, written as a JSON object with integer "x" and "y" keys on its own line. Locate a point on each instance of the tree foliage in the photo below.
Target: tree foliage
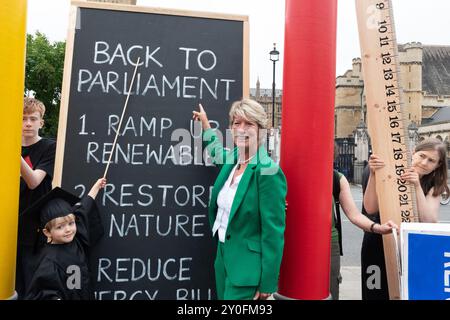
{"x": 43, "y": 76}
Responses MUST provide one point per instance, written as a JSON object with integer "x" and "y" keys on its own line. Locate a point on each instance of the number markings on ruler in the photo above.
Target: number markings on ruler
{"x": 393, "y": 104}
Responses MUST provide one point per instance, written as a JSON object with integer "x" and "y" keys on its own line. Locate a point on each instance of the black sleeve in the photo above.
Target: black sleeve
{"x": 89, "y": 224}
{"x": 47, "y": 282}
{"x": 47, "y": 160}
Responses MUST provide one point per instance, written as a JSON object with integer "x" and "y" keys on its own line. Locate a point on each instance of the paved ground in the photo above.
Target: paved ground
{"x": 350, "y": 288}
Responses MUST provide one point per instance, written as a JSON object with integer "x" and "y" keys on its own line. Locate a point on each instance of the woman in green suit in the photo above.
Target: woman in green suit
{"x": 247, "y": 206}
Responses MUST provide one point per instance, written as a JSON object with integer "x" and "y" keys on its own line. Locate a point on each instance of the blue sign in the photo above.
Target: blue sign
{"x": 428, "y": 267}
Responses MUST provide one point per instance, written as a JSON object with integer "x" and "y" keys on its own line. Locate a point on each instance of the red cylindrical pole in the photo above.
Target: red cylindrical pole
{"x": 307, "y": 145}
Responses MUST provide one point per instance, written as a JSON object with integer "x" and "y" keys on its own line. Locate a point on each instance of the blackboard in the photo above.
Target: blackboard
{"x": 158, "y": 242}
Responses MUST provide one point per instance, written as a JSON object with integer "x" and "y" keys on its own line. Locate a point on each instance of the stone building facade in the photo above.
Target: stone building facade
{"x": 437, "y": 86}
{"x": 438, "y": 126}
{"x": 425, "y": 79}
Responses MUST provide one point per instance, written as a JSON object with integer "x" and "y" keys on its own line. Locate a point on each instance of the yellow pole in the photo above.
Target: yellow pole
{"x": 12, "y": 75}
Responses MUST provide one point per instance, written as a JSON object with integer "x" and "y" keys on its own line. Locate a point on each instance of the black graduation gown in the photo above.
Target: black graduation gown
{"x": 63, "y": 269}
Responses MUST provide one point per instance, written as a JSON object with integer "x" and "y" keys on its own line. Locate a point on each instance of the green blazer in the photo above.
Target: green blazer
{"x": 254, "y": 239}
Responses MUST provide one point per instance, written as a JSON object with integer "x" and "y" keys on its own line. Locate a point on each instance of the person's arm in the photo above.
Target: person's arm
{"x": 44, "y": 167}
{"x": 89, "y": 224}
{"x": 427, "y": 206}
{"x": 211, "y": 141}
{"x": 99, "y": 184}
{"x": 355, "y": 216}
{"x": 370, "y": 195}
{"x": 32, "y": 178}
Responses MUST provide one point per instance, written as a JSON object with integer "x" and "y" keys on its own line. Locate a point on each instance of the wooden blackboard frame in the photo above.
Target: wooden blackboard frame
{"x": 66, "y": 160}
{"x": 65, "y": 92}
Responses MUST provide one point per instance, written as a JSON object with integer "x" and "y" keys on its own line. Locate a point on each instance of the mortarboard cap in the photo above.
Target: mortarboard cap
{"x": 54, "y": 204}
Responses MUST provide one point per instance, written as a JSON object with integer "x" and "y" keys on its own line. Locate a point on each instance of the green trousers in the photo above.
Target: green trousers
{"x": 224, "y": 288}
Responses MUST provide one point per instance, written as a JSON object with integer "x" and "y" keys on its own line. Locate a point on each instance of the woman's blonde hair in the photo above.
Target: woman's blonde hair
{"x": 249, "y": 109}
{"x": 52, "y": 223}
{"x": 31, "y": 105}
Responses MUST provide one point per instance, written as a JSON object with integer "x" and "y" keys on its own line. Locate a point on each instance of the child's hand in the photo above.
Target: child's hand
{"x": 101, "y": 183}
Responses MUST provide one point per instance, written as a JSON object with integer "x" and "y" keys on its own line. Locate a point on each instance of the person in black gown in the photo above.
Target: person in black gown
{"x": 71, "y": 226}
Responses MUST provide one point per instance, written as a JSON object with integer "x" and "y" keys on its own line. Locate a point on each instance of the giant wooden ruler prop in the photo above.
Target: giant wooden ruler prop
{"x": 388, "y": 128}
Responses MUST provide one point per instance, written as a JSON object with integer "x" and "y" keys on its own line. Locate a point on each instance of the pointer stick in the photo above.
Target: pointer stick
{"x": 121, "y": 118}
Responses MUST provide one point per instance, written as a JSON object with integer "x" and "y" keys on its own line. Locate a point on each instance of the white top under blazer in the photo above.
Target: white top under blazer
{"x": 224, "y": 203}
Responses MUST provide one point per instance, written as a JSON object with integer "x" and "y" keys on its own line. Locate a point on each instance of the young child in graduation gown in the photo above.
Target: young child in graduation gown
{"x": 71, "y": 226}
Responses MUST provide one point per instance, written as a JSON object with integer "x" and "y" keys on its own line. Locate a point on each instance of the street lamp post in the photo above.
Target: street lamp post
{"x": 274, "y": 55}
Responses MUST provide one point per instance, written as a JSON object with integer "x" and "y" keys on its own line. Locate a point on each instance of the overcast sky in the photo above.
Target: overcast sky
{"x": 416, "y": 20}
